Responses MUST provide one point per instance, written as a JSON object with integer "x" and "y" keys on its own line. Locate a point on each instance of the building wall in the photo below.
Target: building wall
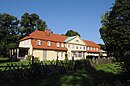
{"x": 38, "y": 53}
{"x": 52, "y": 55}
{"x": 27, "y": 44}
{"x": 75, "y": 45}
{"x": 48, "y": 54}
{"x": 77, "y": 40}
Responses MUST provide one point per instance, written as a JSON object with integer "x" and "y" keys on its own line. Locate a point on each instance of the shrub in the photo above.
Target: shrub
{"x": 29, "y": 57}
{"x": 36, "y": 59}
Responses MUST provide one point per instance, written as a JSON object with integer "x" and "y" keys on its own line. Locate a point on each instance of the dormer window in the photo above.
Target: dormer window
{"x": 88, "y": 48}
{"x": 77, "y": 40}
{"x": 48, "y": 43}
{"x": 39, "y": 42}
{"x": 91, "y": 48}
{"x": 96, "y": 49}
{"x": 62, "y": 45}
{"x": 57, "y": 44}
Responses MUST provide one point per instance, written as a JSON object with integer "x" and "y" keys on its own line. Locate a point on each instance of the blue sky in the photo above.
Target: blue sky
{"x": 82, "y": 16}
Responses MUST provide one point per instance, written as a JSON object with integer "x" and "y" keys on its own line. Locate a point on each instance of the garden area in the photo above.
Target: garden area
{"x": 79, "y": 73}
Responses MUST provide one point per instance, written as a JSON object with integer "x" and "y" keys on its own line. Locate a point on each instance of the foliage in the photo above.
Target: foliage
{"x": 36, "y": 59}
{"x": 12, "y": 29}
{"x": 103, "y": 47}
{"x": 31, "y": 22}
{"x": 72, "y": 33}
{"x": 8, "y": 33}
{"x": 29, "y": 57}
{"x": 115, "y": 32}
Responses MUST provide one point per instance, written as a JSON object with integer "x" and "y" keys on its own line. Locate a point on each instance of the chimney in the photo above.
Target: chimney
{"x": 47, "y": 32}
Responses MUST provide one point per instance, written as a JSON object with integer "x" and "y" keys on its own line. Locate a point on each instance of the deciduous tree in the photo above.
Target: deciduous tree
{"x": 115, "y": 33}
{"x": 72, "y": 33}
{"x": 31, "y": 22}
{"x": 8, "y": 33}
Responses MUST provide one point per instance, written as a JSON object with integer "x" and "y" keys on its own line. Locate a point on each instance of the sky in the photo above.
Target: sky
{"x": 82, "y": 16}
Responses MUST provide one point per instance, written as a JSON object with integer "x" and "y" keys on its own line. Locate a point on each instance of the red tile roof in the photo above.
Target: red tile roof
{"x": 45, "y": 35}
{"x": 44, "y": 45}
{"x": 93, "y": 45}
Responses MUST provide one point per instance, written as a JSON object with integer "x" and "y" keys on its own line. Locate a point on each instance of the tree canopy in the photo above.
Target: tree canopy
{"x": 31, "y": 22}
{"x": 12, "y": 29}
{"x": 8, "y": 33}
{"x": 71, "y": 33}
{"x": 115, "y": 32}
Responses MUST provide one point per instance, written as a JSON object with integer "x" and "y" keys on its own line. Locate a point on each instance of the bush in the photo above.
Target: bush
{"x": 36, "y": 59}
{"x": 29, "y": 57}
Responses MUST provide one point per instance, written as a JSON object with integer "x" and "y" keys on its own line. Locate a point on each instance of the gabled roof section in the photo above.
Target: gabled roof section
{"x": 45, "y": 35}
{"x": 69, "y": 38}
{"x": 92, "y": 44}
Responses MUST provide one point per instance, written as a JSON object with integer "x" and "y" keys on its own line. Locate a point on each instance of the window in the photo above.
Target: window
{"x": 68, "y": 45}
{"x": 61, "y": 54}
{"x": 68, "y": 54}
{"x": 79, "y": 54}
{"x": 96, "y": 49}
{"x": 76, "y": 47}
{"x": 91, "y": 48}
{"x": 62, "y": 45}
{"x": 77, "y": 40}
{"x": 48, "y": 43}
{"x": 38, "y": 42}
{"x": 84, "y": 47}
{"x": 58, "y": 44}
{"x": 88, "y": 48}
{"x": 80, "y": 47}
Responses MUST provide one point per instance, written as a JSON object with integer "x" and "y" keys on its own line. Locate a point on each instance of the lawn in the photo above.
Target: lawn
{"x": 5, "y": 61}
{"x": 100, "y": 75}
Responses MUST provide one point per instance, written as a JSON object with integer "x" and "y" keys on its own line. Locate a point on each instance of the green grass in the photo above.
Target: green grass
{"x": 100, "y": 75}
{"x": 112, "y": 68}
{"x": 5, "y": 61}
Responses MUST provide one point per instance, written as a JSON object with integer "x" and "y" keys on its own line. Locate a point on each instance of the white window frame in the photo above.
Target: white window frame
{"x": 62, "y": 44}
{"x": 91, "y": 48}
{"x": 48, "y": 43}
{"x": 96, "y": 49}
{"x": 58, "y": 44}
{"x": 38, "y": 42}
{"x": 88, "y": 48}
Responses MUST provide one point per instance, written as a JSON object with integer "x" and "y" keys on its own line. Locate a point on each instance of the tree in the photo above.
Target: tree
{"x": 72, "y": 33}
{"x": 115, "y": 33}
{"x": 8, "y": 33}
{"x": 31, "y": 22}
{"x": 103, "y": 47}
